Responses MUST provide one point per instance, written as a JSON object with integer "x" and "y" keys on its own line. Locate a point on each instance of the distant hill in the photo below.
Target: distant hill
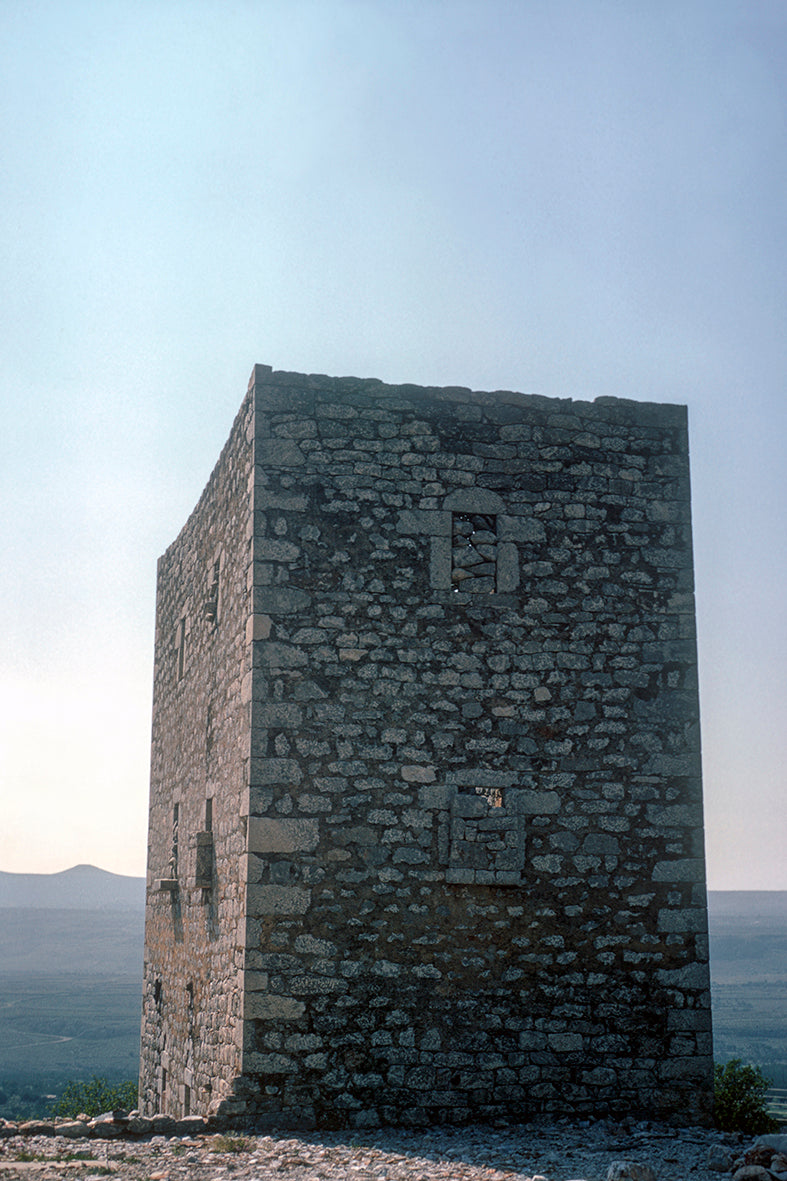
{"x": 84, "y": 887}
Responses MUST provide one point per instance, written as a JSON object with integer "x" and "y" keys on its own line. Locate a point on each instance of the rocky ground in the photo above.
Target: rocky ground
{"x": 550, "y": 1151}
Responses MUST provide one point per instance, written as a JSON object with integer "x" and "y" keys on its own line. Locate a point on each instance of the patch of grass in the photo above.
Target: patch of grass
{"x": 229, "y": 1144}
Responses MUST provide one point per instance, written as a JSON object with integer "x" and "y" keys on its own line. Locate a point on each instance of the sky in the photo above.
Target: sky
{"x": 575, "y": 198}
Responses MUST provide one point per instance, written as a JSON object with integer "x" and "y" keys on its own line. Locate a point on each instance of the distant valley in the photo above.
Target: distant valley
{"x": 748, "y": 931}
{"x": 71, "y": 949}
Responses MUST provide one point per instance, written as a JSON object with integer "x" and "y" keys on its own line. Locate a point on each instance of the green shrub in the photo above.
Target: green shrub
{"x": 739, "y": 1098}
{"x": 94, "y": 1097}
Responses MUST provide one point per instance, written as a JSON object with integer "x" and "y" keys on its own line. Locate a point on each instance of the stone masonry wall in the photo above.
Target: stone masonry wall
{"x": 447, "y": 715}
{"x": 195, "y": 932}
{"x": 475, "y": 852}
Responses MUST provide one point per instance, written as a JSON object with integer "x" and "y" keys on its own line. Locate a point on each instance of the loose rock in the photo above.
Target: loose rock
{"x": 719, "y": 1159}
{"x": 627, "y": 1170}
{"x": 540, "y": 1151}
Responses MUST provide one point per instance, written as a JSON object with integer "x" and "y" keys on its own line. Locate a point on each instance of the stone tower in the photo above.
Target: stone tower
{"x": 426, "y": 832}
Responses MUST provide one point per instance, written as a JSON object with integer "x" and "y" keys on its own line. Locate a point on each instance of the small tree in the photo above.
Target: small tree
{"x": 94, "y": 1097}
{"x": 739, "y": 1098}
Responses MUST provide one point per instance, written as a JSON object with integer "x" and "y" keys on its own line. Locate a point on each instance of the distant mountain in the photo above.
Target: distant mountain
{"x": 84, "y": 887}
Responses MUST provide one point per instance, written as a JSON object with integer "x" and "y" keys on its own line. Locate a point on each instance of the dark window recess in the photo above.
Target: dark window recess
{"x": 170, "y": 882}
{"x": 211, "y": 608}
{"x": 204, "y": 845}
{"x": 180, "y": 648}
{"x": 474, "y": 553}
{"x": 204, "y": 871}
{"x": 173, "y": 859}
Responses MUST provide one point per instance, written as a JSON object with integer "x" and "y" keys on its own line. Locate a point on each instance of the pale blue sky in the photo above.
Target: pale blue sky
{"x": 566, "y": 198}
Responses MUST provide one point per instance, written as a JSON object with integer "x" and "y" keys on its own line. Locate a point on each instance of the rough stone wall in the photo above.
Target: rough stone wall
{"x": 474, "y": 864}
{"x": 195, "y": 932}
{"x": 475, "y": 841}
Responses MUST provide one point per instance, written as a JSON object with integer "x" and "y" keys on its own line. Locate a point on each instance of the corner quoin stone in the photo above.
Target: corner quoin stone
{"x": 425, "y": 776}
{"x": 280, "y": 835}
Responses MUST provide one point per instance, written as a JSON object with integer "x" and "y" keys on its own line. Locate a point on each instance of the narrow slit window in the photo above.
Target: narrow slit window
{"x": 212, "y": 601}
{"x": 204, "y": 876}
{"x": 173, "y": 859}
{"x": 180, "y": 647}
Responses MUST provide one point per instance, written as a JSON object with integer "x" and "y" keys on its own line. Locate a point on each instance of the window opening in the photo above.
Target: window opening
{"x": 180, "y": 647}
{"x": 474, "y": 553}
{"x": 212, "y": 601}
{"x": 173, "y": 859}
{"x": 204, "y": 875}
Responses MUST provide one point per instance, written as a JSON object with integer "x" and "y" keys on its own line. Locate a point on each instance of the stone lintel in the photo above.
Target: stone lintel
{"x": 474, "y": 500}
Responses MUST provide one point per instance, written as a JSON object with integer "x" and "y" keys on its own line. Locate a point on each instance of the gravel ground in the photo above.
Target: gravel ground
{"x": 553, "y": 1151}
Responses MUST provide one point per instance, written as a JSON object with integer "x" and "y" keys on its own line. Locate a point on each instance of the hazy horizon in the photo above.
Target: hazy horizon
{"x": 142, "y": 876}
